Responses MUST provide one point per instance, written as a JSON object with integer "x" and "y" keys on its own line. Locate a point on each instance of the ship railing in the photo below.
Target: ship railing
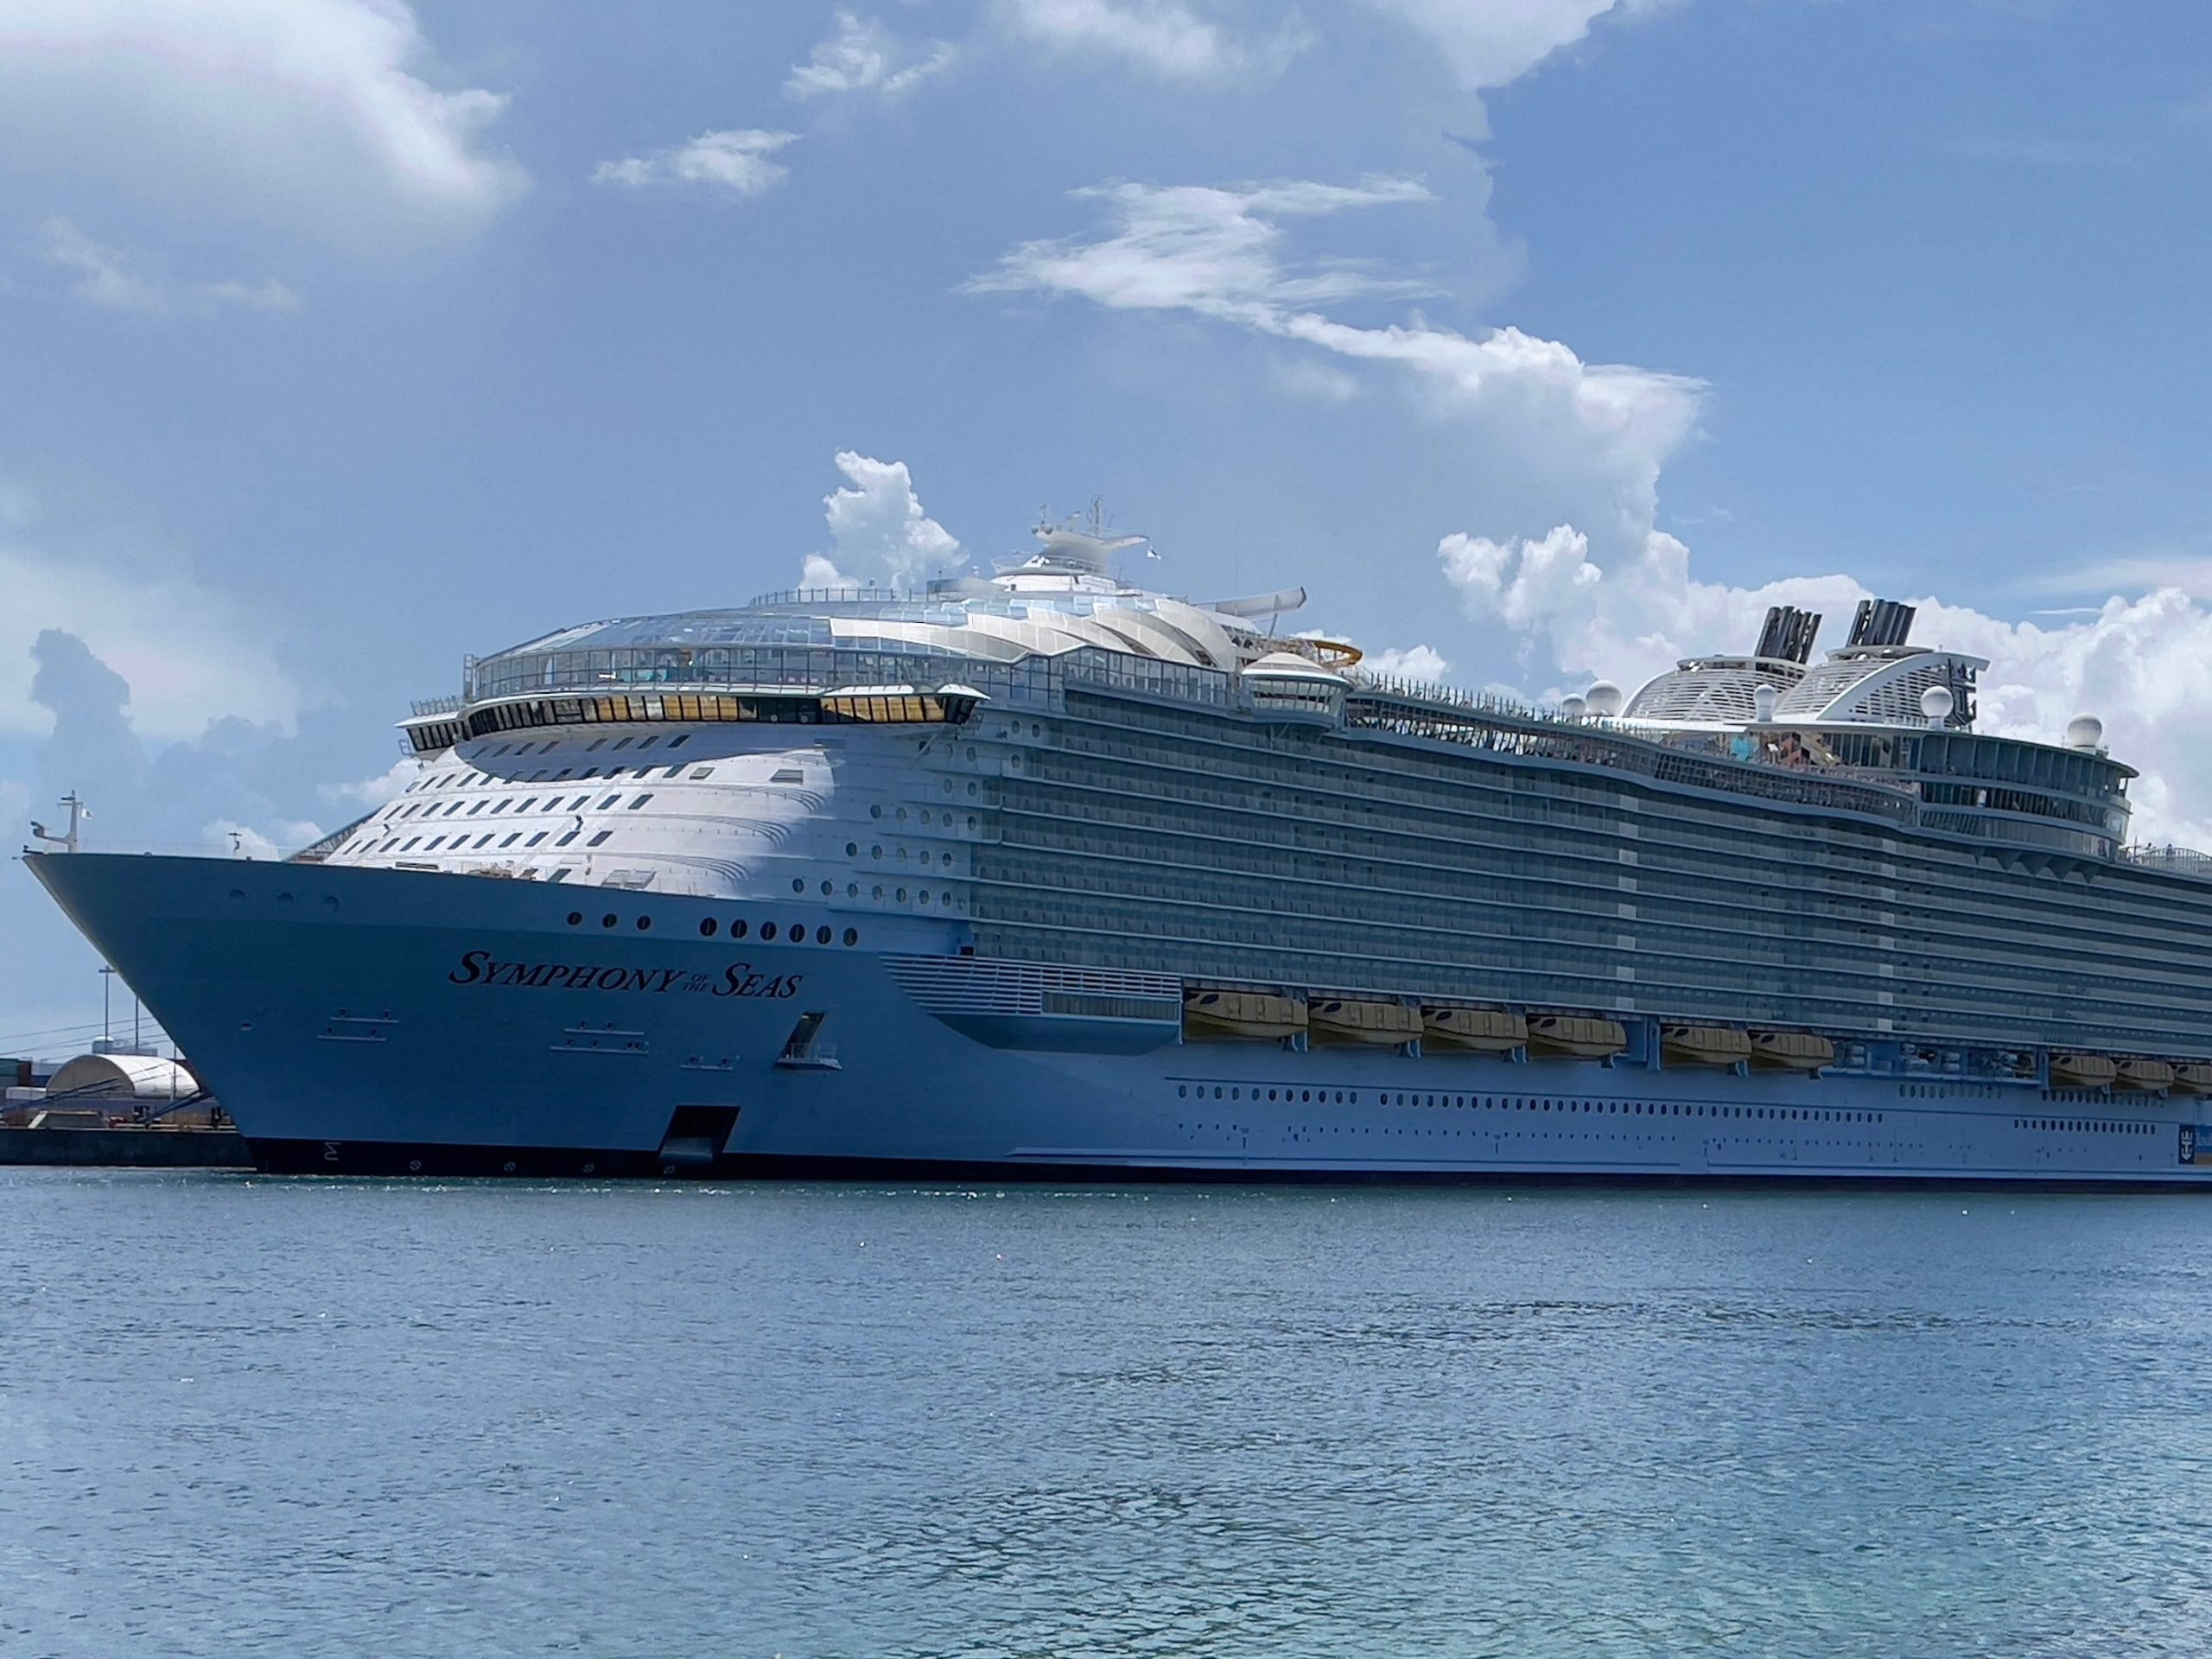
{"x": 2174, "y": 861}
{"x": 425, "y": 707}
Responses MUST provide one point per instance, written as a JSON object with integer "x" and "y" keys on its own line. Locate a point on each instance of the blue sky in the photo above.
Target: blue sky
{"x": 1543, "y": 341}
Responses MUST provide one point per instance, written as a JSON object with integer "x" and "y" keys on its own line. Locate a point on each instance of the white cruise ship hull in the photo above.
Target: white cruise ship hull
{"x": 368, "y": 1020}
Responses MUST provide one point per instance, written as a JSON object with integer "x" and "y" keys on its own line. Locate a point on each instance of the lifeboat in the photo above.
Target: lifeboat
{"x": 2193, "y": 1077}
{"x": 1483, "y": 1030}
{"x": 1571, "y": 1036}
{"x": 1704, "y": 1044}
{"x": 2081, "y": 1072}
{"x": 2150, "y": 1076}
{"x": 1790, "y": 1050}
{"x": 1264, "y": 1016}
{"x": 1344, "y": 1020}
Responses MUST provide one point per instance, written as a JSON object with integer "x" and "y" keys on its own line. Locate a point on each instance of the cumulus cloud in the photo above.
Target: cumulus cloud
{"x": 1594, "y": 436}
{"x": 104, "y": 277}
{"x": 864, "y": 56}
{"x": 878, "y": 531}
{"x": 1492, "y": 45}
{"x": 1414, "y": 663}
{"x": 315, "y": 113}
{"x": 738, "y": 163}
{"x": 366, "y": 794}
{"x": 191, "y": 653}
{"x": 2143, "y": 666}
{"x": 1162, "y": 36}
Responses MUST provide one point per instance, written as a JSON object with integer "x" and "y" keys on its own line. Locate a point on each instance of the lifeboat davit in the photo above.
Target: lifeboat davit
{"x": 1574, "y": 1036}
{"x": 1347, "y": 1019}
{"x": 2082, "y": 1072}
{"x": 1482, "y": 1031}
{"x": 2150, "y": 1076}
{"x": 1265, "y": 1016}
{"x": 2193, "y": 1077}
{"x": 1704, "y": 1044}
{"x": 1790, "y": 1050}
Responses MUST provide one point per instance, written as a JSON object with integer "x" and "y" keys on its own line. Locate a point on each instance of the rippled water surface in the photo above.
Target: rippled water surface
{"x": 244, "y": 1416}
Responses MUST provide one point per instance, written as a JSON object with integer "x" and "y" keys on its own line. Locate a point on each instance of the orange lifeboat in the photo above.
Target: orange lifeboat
{"x": 2149, "y": 1076}
{"x": 1480, "y": 1031}
{"x": 1704, "y": 1044}
{"x": 1258, "y": 1016}
{"x": 1349, "y": 1020}
{"x": 2082, "y": 1072}
{"x": 1790, "y": 1050}
{"x": 2192, "y": 1077}
{"x": 1575, "y": 1037}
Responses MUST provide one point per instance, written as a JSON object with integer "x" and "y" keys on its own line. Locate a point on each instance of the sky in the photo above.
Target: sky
{"x": 1539, "y": 341}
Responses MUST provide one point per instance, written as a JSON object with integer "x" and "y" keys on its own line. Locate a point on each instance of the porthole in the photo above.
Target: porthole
{"x": 767, "y": 930}
{"x": 901, "y": 815}
{"x": 852, "y": 889}
{"x": 644, "y": 922}
{"x": 852, "y": 935}
{"x": 797, "y": 932}
{"x": 576, "y": 919}
{"x": 875, "y": 893}
{"x": 707, "y": 928}
{"x": 822, "y": 934}
{"x": 902, "y": 895}
{"x": 852, "y": 849}
{"x": 1182, "y": 1090}
{"x": 739, "y": 929}
{"x": 826, "y": 889}
{"x": 608, "y": 920}
{"x": 875, "y": 811}
{"x": 799, "y": 883}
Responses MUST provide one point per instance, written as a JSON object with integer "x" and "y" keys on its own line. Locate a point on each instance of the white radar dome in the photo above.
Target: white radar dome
{"x": 1605, "y": 700}
{"x": 1574, "y": 708}
{"x": 1936, "y": 702}
{"x": 1764, "y": 697}
{"x": 2085, "y": 732}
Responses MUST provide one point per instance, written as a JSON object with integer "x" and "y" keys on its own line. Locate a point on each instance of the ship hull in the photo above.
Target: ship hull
{"x": 365, "y": 1021}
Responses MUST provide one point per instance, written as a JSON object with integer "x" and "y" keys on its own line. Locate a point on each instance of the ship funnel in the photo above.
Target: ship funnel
{"x": 1788, "y": 633}
{"x": 1881, "y": 622}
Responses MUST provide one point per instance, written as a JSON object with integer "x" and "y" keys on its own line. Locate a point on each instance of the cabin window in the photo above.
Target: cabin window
{"x": 640, "y": 801}
{"x": 597, "y": 839}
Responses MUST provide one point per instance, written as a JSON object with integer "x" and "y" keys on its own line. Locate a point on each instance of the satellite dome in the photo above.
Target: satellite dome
{"x": 1604, "y": 699}
{"x": 2085, "y": 732}
{"x": 1936, "y": 702}
{"x": 1574, "y": 708}
{"x": 1764, "y": 697}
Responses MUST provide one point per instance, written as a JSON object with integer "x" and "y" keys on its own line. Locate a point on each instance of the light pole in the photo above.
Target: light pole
{"x": 107, "y": 988}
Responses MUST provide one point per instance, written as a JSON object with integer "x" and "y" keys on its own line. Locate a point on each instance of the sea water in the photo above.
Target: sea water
{"x": 249, "y": 1416}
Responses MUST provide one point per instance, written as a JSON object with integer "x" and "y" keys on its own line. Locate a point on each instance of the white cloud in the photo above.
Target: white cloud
{"x": 1414, "y": 663}
{"x": 1490, "y": 45}
{"x": 310, "y": 112}
{"x": 366, "y": 794}
{"x": 1590, "y": 436}
{"x": 1164, "y": 37}
{"x": 864, "y": 56}
{"x": 104, "y": 277}
{"x": 741, "y": 163}
{"x": 189, "y": 653}
{"x": 1218, "y": 252}
{"x": 279, "y": 839}
{"x": 2143, "y": 666}
{"x": 878, "y": 530}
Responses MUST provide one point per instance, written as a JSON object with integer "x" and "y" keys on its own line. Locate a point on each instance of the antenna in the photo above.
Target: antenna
{"x": 67, "y": 840}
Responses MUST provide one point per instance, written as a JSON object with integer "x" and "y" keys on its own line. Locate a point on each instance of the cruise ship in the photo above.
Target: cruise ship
{"x": 1042, "y": 875}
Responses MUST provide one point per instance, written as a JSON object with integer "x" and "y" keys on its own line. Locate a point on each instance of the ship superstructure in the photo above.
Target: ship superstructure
{"x": 1047, "y": 872}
